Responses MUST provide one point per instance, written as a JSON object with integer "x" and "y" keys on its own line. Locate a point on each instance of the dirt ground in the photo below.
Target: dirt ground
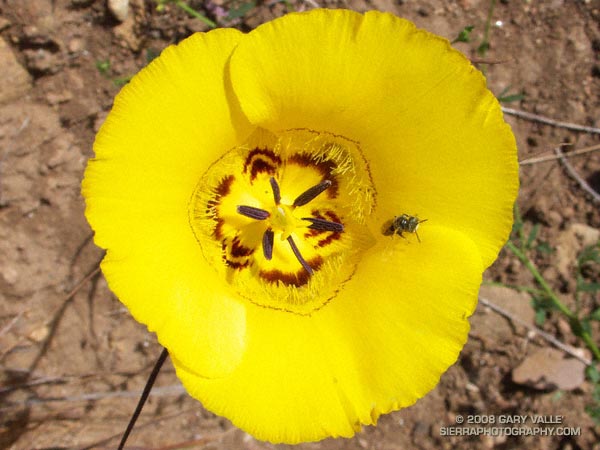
{"x": 72, "y": 366}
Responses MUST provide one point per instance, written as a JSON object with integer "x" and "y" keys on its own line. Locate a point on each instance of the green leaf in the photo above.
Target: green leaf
{"x": 590, "y": 253}
{"x": 544, "y": 248}
{"x": 585, "y": 326}
{"x": 595, "y": 315}
{"x": 483, "y": 48}
{"x": 464, "y": 35}
{"x": 592, "y": 373}
{"x": 244, "y": 9}
{"x": 594, "y": 413}
{"x": 103, "y": 66}
{"x": 540, "y": 317}
{"x": 579, "y": 328}
{"x": 588, "y": 287}
{"x": 122, "y": 81}
{"x": 596, "y": 392}
{"x": 511, "y": 98}
{"x": 532, "y": 235}
{"x": 151, "y": 54}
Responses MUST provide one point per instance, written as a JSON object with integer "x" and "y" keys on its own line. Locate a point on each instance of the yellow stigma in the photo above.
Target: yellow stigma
{"x": 310, "y": 189}
{"x": 283, "y": 220}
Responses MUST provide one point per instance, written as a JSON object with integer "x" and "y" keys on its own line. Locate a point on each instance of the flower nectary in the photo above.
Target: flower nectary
{"x": 282, "y": 217}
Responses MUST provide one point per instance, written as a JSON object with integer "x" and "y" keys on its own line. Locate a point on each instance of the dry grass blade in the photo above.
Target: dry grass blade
{"x": 584, "y": 185}
{"x": 539, "y": 159}
{"x": 548, "y": 121}
{"x": 163, "y": 391}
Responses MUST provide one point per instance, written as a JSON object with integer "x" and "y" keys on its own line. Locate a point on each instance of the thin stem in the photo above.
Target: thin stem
{"x": 540, "y": 279}
{"x": 519, "y": 220}
{"x": 575, "y": 322}
{"x": 192, "y": 12}
{"x": 485, "y": 43}
{"x": 149, "y": 383}
{"x": 547, "y": 336}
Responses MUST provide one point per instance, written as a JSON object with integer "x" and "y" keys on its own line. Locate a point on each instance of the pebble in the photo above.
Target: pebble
{"x": 4, "y": 23}
{"x": 41, "y": 61}
{"x": 119, "y": 9}
{"x": 15, "y": 79}
{"x": 76, "y": 45}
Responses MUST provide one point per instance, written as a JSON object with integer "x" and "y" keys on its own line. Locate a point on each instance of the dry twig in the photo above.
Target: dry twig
{"x": 313, "y": 3}
{"x": 163, "y": 391}
{"x": 584, "y": 185}
{"x": 105, "y": 441}
{"x": 548, "y": 337}
{"x": 11, "y": 324}
{"x": 539, "y": 159}
{"x": 57, "y": 315}
{"x": 548, "y": 121}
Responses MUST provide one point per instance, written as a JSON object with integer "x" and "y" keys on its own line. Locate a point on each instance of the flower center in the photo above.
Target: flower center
{"x": 282, "y": 218}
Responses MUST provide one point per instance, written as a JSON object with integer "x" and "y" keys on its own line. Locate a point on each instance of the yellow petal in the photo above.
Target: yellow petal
{"x": 434, "y": 135}
{"x": 174, "y": 119}
{"x": 381, "y": 344}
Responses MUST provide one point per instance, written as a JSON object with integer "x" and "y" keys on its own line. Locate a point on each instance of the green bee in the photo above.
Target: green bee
{"x": 401, "y": 224}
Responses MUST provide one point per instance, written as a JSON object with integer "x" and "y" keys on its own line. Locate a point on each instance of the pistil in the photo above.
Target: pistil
{"x": 283, "y": 221}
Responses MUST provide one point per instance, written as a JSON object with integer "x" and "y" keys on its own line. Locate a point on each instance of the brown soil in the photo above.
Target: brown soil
{"x": 71, "y": 367}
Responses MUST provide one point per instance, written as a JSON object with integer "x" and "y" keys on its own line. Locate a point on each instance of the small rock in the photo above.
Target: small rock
{"x": 76, "y": 45}
{"x": 10, "y": 274}
{"x": 588, "y": 235}
{"x": 39, "y": 334}
{"x": 39, "y": 37}
{"x": 537, "y": 213}
{"x": 15, "y": 79}
{"x": 569, "y": 244}
{"x": 514, "y": 302}
{"x": 100, "y": 118}
{"x": 554, "y": 219}
{"x": 126, "y": 33}
{"x": 119, "y": 9}
{"x": 54, "y": 98}
{"x": 40, "y": 61}
{"x": 547, "y": 369}
{"x": 4, "y": 23}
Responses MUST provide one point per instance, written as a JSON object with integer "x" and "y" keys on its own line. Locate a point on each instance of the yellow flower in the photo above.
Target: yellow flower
{"x": 245, "y": 185}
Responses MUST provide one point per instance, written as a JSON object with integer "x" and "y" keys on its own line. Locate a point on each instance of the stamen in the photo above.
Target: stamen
{"x": 324, "y": 225}
{"x": 311, "y": 193}
{"x": 276, "y": 192}
{"x": 299, "y": 256}
{"x": 252, "y": 212}
{"x": 267, "y": 243}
